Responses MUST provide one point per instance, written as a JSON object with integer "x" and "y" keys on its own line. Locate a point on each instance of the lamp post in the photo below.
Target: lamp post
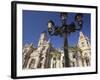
{"x": 64, "y": 30}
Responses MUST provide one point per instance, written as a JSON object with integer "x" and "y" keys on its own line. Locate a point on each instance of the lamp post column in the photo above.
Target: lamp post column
{"x": 64, "y": 30}
{"x": 66, "y": 54}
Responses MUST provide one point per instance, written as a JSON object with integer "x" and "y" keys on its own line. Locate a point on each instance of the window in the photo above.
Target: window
{"x": 54, "y": 65}
{"x": 31, "y": 65}
{"x": 63, "y": 64}
{"x": 82, "y": 44}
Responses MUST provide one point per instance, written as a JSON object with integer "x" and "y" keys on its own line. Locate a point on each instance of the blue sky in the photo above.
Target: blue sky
{"x": 35, "y": 22}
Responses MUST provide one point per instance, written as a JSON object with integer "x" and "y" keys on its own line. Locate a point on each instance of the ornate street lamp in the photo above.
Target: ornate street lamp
{"x": 63, "y": 17}
{"x": 64, "y": 30}
{"x": 50, "y": 26}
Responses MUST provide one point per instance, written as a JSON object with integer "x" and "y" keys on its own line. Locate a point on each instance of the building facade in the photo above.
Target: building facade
{"x": 37, "y": 57}
{"x": 45, "y": 56}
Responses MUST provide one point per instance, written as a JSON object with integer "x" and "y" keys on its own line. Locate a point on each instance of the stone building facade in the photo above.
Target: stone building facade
{"x": 37, "y": 57}
{"x": 45, "y": 56}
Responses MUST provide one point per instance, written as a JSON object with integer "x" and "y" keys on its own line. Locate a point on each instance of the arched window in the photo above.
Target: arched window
{"x": 63, "y": 62}
{"x": 87, "y": 61}
{"x": 54, "y": 62}
{"x": 32, "y": 63}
